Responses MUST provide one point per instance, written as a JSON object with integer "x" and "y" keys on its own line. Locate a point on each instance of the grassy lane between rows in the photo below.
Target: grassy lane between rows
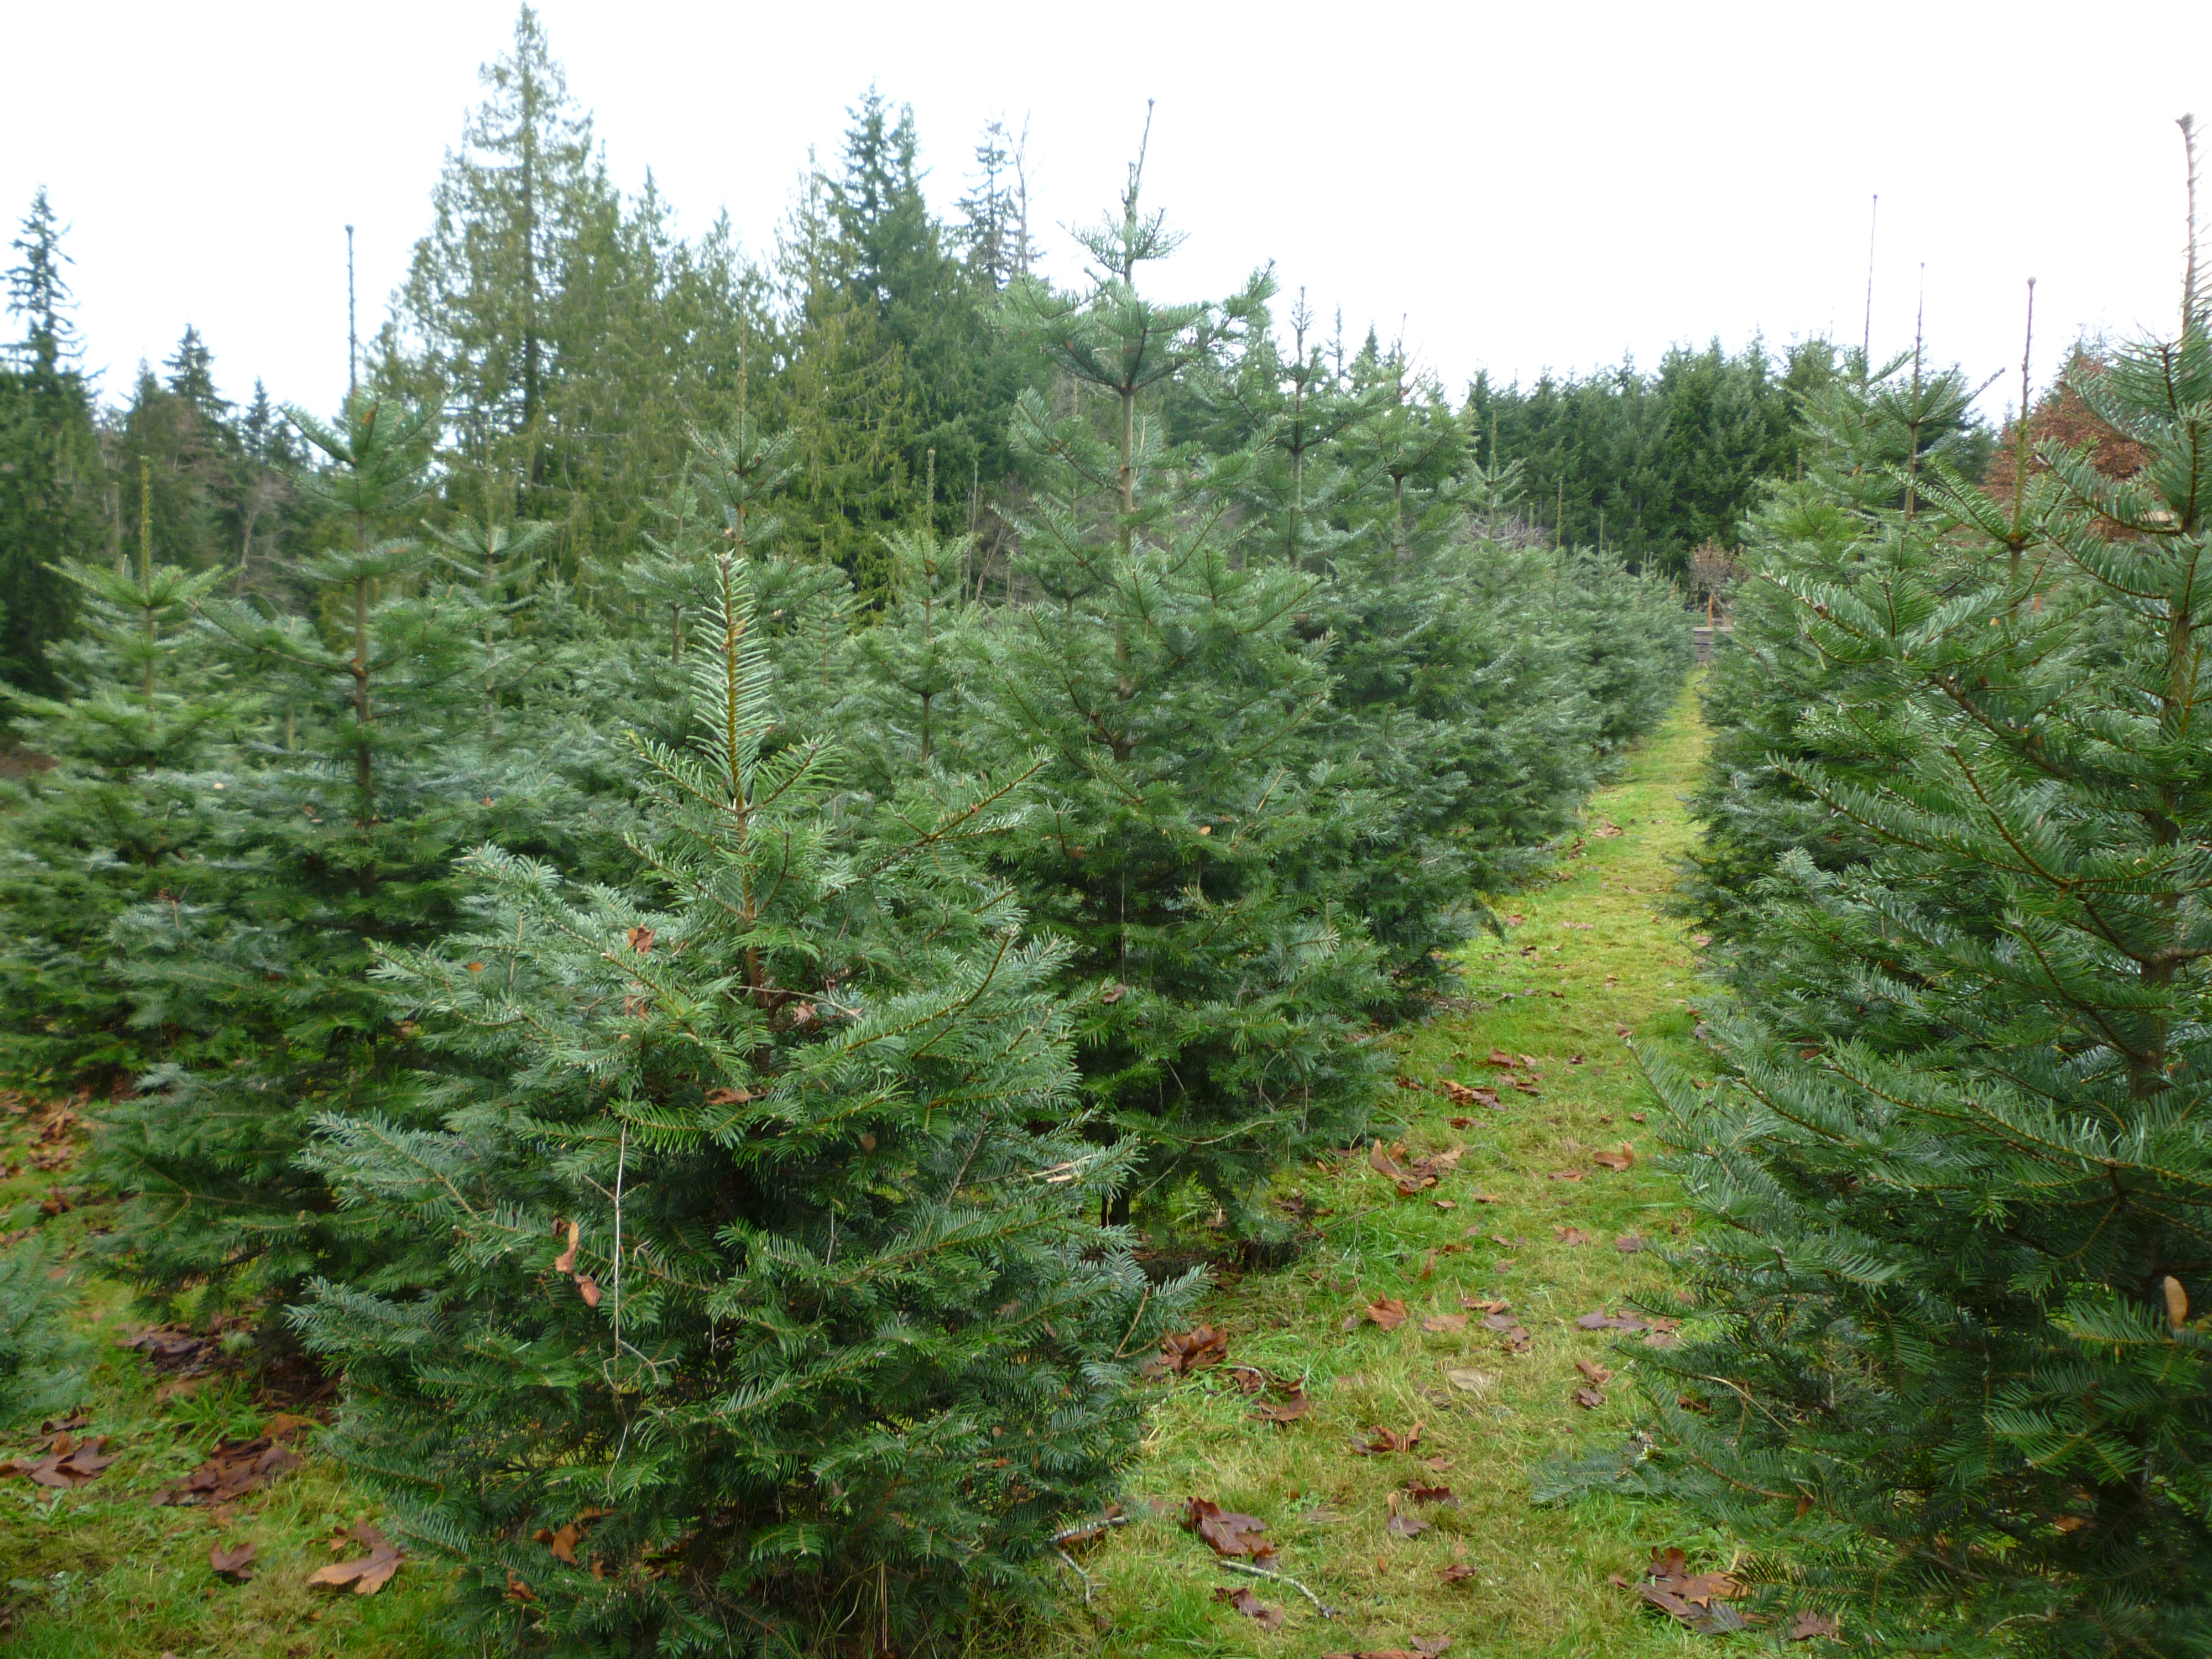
{"x": 1532, "y": 1216}
{"x": 100, "y": 1572}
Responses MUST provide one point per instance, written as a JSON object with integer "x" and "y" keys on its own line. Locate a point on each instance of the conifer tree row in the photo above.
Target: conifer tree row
{"x": 1954, "y": 1285}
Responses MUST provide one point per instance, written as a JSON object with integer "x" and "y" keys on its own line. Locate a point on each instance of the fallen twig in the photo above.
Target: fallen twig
{"x": 1069, "y": 1562}
{"x": 1084, "y": 1529}
{"x": 1327, "y": 1611}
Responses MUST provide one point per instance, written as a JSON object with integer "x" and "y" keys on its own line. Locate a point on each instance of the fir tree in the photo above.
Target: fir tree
{"x": 120, "y": 818}
{"x": 1956, "y": 1289}
{"x": 337, "y": 836}
{"x": 1221, "y": 1015}
{"x": 40, "y": 1357}
{"x": 745, "y": 1299}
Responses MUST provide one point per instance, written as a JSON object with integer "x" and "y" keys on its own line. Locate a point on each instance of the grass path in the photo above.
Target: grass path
{"x": 97, "y": 1573}
{"x": 1586, "y": 961}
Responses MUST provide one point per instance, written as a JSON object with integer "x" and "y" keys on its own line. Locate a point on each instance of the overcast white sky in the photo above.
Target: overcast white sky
{"x": 1514, "y": 186}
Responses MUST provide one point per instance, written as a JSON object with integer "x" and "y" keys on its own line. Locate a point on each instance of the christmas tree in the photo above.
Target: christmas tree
{"x": 745, "y": 1291}
{"x": 1951, "y": 1356}
{"x": 378, "y": 763}
{"x": 1221, "y": 1018}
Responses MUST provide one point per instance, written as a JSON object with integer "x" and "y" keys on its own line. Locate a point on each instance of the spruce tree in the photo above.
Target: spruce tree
{"x": 1951, "y": 1318}
{"x": 42, "y": 1357}
{"x": 745, "y": 1298}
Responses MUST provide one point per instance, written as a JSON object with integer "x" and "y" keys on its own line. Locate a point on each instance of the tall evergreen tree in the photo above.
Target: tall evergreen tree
{"x": 50, "y": 470}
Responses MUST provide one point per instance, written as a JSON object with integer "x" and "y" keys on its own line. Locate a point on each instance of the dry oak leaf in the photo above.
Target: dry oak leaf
{"x": 1564, "y": 1175}
{"x": 1807, "y": 1626}
{"x": 1404, "y": 1526}
{"x": 729, "y": 1097}
{"x": 1473, "y": 1382}
{"x": 1589, "y": 1399}
{"x": 1486, "y": 1304}
{"x": 1628, "y": 1245}
{"x": 566, "y": 1261}
{"x": 1606, "y": 831}
{"x": 1185, "y": 1351}
{"x": 1268, "y": 1618}
{"x": 1441, "y": 1324}
{"x": 1499, "y": 1322}
{"x": 640, "y": 939}
{"x": 1570, "y": 1235}
{"x": 1387, "y": 1311}
{"x": 368, "y": 1574}
{"x": 588, "y": 1288}
{"x": 1595, "y": 1372}
{"x": 1380, "y": 1439}
{"x": 1420, "y": 1492}
{"x": 1226, "y": 1532}
{"x": 67, "y": 1465}
{"x": 234, "y": 1565}
{"x": 1455, "y": 1573}
{"x": 1424, "y": 1647}
{"x": 1616, "y": 1161}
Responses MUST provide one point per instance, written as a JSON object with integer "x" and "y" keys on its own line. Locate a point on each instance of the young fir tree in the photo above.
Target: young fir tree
{"x": 337, "y": 836}
{"x": 122, "y": 817}
{"x": 1221, "y": 1005}
{"x": 1951, "y": 1322}
{"x": 1844, "y": 520}
{"x": 1457, "y": 704}
{"x": 746, "y": 1298}
{"x": 40, "y": 1357}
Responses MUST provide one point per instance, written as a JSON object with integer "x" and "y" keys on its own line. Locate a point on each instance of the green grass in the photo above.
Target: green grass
{"x": 97, "y": 1571}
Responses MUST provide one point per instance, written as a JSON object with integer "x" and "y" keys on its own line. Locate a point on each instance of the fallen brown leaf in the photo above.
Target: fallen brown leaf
{"x": 1380, "y": 1439}
{"x": 1807, "y": 1626}
{"x": 1421, "y": 1493}
{"x": 1589, "y": 1399}
{"x": 1473, "y": 1382}
{"x": 233, "y": 1565}
{"x": 1696, "y": 1601}
{"x": 1268, "y": 1618}
{"x": 1441, "y": 1324}
{"x": 1628, "y": 1245}
{"x": 1456, "y": 1572}
{"x": 1595, "y": 1372}
{"x": 1226, "y": 1532}
{"x": 1289, "y": 1409}
{"x": 1624, "y": 1158}
{"x": 1570, "y": 1235}
{"x": 1184, "y": 1352}
{"x": 368, "y": 1574}
{"x": 1387, "y": 1311}
{"x": 1564, "y": 1175}
{"x": 1404, "y": 1526}
{"x": 68, "y": 1463}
